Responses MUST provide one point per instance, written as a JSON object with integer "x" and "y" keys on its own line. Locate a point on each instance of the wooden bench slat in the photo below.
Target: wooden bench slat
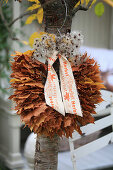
{"x": 91, "y": 128}
{"x": 91, "y": 147}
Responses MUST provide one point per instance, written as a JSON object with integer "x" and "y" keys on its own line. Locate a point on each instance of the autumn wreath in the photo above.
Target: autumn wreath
{"x": 28, "y": 77}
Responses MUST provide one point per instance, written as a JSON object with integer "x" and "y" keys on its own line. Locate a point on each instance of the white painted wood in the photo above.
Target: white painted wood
{"x": 91, "y": 128}
{"x": 99, "y": 125}
{"x": 10, "y": 136}
{"x": 72, "y": 156}
{"x": 101, "y": 108}
{"x": 71, "y": 144}
{"x": 10, "y": 122}
{"x": 92, "y": 146}
{"x": 103, "y": 112}
{"x": 112, "y": 113}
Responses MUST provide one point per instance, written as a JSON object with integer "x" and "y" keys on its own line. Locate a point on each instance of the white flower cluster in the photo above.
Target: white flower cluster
{"x": 69, "y": 44}
{"x": 44, "y": 47}
{"x": 66, "y": 44}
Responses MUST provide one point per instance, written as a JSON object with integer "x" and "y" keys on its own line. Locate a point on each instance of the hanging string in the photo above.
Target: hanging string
{"x": 64, "y": 18}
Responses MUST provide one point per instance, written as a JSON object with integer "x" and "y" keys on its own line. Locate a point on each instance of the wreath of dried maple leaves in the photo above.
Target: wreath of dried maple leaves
{"x": 28, "y": 76}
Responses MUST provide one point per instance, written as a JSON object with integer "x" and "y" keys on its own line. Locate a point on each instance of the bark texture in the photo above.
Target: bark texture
{"x": 57, "y": 20}
{"x": 58, "y": 16}
{"x": 46, "y": 156}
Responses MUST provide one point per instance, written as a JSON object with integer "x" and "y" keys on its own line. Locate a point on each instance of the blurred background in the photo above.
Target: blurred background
{"x": 15, "y": 152}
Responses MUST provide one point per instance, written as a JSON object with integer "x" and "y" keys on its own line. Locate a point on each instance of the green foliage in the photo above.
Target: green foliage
{"x": 99, "y": 9}
{"x": 5, "y": 47}
{"x": 2, "y": 166}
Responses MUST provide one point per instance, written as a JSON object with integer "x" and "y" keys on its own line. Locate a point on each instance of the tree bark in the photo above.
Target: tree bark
{"x": 58, "y": 16}
{"x": 58, "y": 20}
{"x": 46, "y": 155}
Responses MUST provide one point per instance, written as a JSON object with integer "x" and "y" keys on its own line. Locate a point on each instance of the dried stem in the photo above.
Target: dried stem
{"x": 28, "y": 13}
{"x": 81, "y": 7}
{"x": 21, "y": 16}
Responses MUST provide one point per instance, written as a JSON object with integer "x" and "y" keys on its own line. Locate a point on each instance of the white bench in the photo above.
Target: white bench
{"x": 77, "y": 153}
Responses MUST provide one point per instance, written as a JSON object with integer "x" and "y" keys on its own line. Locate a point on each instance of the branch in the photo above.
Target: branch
{"x": 29, "y": 12}
{"x": 43, "y": 4}
{"x": 72, "y": 3}
{"x": 80, "y": 7}
{"x": 6, "y": 24}
{"x": 21, "y": 16}
{"x": 88, "y": 6}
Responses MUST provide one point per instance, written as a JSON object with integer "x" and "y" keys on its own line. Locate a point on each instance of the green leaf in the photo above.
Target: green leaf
{"x": 99, "y": 9}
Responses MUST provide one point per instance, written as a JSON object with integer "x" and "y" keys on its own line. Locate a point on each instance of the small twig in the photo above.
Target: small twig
{"x": 6, "y": 24}
{"x": 80, "y": 7}
{"x": 21, "y": 16}
{"x": 72, "y": 3}
{"x": 88, "y": 6}
{"x": 29, "y": 12}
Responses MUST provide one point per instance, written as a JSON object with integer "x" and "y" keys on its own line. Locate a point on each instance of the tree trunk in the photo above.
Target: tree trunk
{"x": 58, "y": 20}
{"x": 46, "y": 155}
